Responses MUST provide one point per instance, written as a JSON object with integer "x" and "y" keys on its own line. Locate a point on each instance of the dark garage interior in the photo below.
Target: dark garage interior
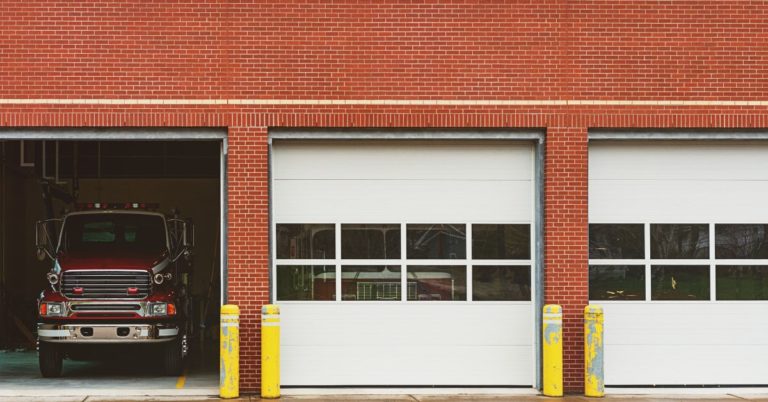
{"x": 46, "y": 179}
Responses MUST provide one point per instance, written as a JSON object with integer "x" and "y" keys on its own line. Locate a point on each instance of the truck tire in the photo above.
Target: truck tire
{"x": 50, "y": 358}
{"x": 173, "y": 362}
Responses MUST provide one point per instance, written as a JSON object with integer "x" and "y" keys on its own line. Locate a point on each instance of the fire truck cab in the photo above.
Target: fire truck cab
{"x": 119, "y": 277}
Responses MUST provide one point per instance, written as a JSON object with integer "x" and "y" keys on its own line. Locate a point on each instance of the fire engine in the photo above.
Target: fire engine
{"x": 118, "y": 278}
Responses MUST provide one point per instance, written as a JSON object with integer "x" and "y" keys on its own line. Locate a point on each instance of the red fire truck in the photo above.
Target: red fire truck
{"x": 119, "y": 279}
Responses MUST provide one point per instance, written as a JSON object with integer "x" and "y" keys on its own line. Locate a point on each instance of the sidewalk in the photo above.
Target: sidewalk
{"x": 413, "y": 398}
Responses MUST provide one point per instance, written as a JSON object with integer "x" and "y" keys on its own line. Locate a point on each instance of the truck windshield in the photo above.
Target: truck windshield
{"x": 114, "y": 231}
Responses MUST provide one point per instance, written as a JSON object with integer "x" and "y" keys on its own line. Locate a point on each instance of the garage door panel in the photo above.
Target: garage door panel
{"x": 398, "y": 200}
{"x": 681, "y": 364}
{"x": 675, "y": 161}
{"x": 422, "y": 365}
{"x": 704, "y": 315}
{"x": 678, "y": 201}
{"x": 683, "y": 342}
{"x": 413, "y": 324}
{"x": 689, "y": 333}
{"x": 367, "y": 336}
{"x": 393, "y": 161}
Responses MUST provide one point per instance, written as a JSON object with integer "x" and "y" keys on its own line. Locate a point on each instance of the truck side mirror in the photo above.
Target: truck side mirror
{"x": 185, "y": 237}
{"x": 45, "y": 238}
{"x": 189, "y": 234}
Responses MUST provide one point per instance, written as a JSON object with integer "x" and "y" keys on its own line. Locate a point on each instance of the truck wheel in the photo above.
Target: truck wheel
{"x": 50, "y": 358}
{"x": 173, "y": 363}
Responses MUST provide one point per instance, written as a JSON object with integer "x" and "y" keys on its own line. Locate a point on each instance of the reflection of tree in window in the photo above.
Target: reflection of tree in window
{"x": 370, "y": 241}
{"x": 679, "y": 241}
{"x": 741, "y": 241}
{"x": 617, "y": 282}
{"x": 501, "y": 242}
{"x": 679, "y": 282}
{"x": 616, "y": 241}
{"x": 742, "y": 282}
{"x": 306, "y": 282}
{"x": 494, "y": 283}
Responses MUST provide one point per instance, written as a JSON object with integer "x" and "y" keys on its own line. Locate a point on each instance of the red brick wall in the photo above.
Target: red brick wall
{"x": 552, "y": 50}
{"x": 248, "y": 241}
{"x": 566, "y": 238}
{"x": 650, "y": 49}
{"x": 350, "y": 49}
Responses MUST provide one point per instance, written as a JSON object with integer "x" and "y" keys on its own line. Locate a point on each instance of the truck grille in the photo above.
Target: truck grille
{"x": 105, "y": 284}
{"x": 105, "y": 307}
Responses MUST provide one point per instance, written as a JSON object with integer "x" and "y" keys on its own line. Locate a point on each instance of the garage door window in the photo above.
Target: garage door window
{"x": 490, "y": 283}
{"x": 700, "y": 261}
{"x": 305, "y": 241}
{"x": 679, "y": 282}
{"x": 617, "y": 282}
{"x": 680, "y": 241}
{"x": 620, "y": 241}
{"x": 439, "y": 283}
{"x": 378, "y": 282}
{"x": 442, "y": 262}
{"x": 625, "y": 244}
{"x": 306, "y": 282}
{"x": 370, "y": 241}
{"x": 437, "y": 242}
{"x": 742, "y": 282}
{"x": 741, "y": 241}
{"x": 501, "y": 242}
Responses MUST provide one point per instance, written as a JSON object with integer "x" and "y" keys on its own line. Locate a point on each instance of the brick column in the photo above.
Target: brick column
{"x": 566, "y": 241}
{"x": 248, "y": 241}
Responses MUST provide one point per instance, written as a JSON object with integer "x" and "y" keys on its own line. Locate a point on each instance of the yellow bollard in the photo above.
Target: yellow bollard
{"x": 552, "y": 346}
{"x": 594, "y": 375}
{"x": 270, "y": 351}
{"x": 229, "y": 354}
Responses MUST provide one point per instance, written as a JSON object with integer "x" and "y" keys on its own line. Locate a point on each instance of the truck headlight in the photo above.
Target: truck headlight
{"x": 48, "y": 309}
{"x": 158, "y": 309}
{"x": 159, "y": 278}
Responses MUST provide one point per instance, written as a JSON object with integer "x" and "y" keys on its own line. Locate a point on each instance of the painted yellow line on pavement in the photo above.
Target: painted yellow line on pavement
{"x": 182, "y": 379}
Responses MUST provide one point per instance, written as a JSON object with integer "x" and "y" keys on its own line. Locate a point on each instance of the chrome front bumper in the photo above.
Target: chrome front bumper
{"x": 106, "y": 333}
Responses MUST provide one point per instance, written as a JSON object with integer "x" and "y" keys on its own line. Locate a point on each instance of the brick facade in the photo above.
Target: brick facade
{"x": 561, "y": 65}
{"x": 248, "y": 240}
{"x": 566, "y": 229}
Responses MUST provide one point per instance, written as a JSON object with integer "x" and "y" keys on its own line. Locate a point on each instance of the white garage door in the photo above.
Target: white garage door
{"x": 451, "y": 223}
{"x": 679, "y": 260}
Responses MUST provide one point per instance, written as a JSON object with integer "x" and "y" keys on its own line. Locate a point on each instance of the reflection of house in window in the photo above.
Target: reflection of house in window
{"x": 370, "y": 283}
{"x": 384, "y": 283}
{"x": 380, "y": 291}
